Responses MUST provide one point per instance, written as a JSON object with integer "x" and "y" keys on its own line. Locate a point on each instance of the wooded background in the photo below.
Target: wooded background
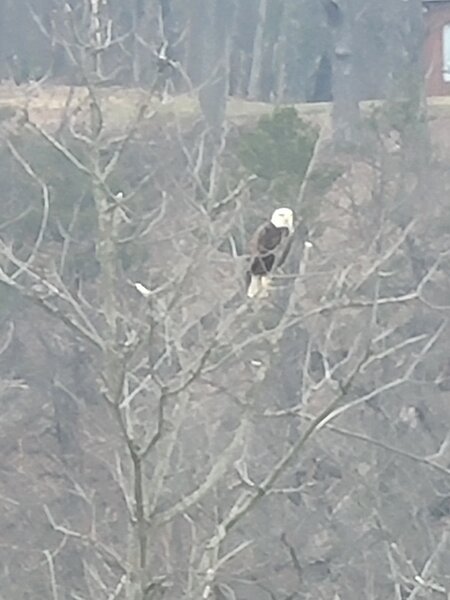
{"x": 176, "y": 440}
{"x": 277, "y": 50}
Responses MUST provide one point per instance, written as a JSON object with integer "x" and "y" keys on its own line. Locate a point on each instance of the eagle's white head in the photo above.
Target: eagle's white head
{"x": 283, "y": 217}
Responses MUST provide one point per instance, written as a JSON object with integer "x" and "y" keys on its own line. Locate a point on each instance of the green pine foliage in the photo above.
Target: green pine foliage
{"x": 280, "y": 147}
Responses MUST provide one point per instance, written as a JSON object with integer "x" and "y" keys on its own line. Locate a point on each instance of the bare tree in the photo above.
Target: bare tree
{"x": 169, "y": 437}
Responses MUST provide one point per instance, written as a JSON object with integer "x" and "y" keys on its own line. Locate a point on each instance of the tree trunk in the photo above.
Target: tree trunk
{"x": 195, "y": 66}
{"x": 258, "y": 53}
{"x": 412, "y": 86}
{"x": 280, "y": 51}
{"x": 213, "y": 95}
{"x": 345, "y": 97}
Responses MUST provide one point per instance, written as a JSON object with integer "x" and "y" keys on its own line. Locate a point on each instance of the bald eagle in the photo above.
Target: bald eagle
{"x": 269, "y": 248}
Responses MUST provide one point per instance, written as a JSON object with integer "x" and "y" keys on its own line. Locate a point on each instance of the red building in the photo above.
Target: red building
{"x": 437, "y": 47}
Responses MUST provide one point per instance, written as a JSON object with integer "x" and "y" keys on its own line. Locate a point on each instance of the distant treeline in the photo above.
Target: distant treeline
{"x": 277, "y": 50}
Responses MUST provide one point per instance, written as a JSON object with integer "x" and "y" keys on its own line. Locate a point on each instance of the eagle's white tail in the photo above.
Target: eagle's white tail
{"x": 259, "y": 286}
{"x": 254, "y": 287}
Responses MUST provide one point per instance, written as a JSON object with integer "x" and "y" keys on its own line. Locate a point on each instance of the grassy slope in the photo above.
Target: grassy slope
{"x": 46, "y": 103}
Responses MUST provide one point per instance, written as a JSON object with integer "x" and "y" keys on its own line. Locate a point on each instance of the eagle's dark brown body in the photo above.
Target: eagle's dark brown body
{"x": 268, "y": 250}
{"x": 265, "y": 242}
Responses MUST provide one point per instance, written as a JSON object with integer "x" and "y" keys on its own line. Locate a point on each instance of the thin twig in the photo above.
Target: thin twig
{"x": 51, "y": 569}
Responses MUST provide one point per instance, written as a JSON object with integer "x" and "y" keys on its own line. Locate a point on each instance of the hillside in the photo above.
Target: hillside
{"x": 190, "y": 443}
{"x": 46, "y": 103}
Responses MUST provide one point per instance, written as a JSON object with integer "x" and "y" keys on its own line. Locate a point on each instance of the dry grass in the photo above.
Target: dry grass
{"x": 46, "y": 105}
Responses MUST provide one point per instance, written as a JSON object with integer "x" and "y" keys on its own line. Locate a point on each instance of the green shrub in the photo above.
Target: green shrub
{"x": 280, "y": 146}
